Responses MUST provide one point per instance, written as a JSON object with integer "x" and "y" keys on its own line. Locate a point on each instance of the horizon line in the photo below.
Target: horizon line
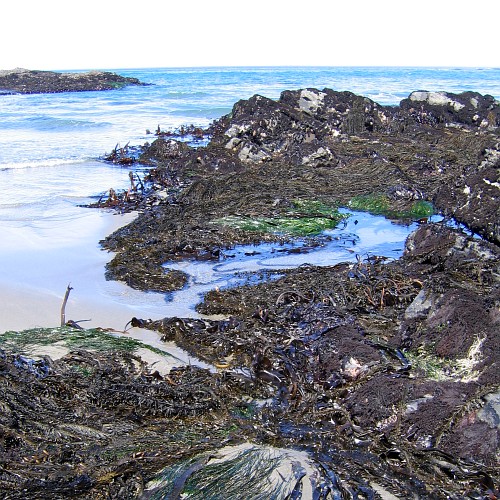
{"x": 321, "y": 66}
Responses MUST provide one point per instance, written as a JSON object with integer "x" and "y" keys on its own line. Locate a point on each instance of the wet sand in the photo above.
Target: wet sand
{"x": 40, "y": 259}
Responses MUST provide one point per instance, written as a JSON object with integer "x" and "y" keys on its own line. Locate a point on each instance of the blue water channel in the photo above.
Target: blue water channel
{"x": 361, "y": 236}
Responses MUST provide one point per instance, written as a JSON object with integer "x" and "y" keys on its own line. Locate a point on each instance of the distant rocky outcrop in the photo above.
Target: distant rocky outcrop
{"x": 25, "y": 81}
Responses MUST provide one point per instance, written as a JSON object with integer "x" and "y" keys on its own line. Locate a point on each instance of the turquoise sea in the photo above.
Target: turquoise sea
{"x": 50, "y": 147}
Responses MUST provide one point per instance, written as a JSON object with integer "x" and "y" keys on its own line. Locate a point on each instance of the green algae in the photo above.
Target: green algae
{"x": 304, "y": 218}
{"x": 254, "y": 470}
{"x": 33, "y": 339}
{"x": 381, "y": 204}
{"x": 441, "y": 368}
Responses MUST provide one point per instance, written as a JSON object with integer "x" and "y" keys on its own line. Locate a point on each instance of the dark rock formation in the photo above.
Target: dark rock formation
{"x": 300, "y": 126}
{"x": 467, "y": 108}
{"x": 444, "y": 145}
{"x": 24, "y": 81}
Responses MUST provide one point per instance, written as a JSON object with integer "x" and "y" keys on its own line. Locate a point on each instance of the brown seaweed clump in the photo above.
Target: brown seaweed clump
{"x": 100, "y": 425}
{"x": 382, "y": 368}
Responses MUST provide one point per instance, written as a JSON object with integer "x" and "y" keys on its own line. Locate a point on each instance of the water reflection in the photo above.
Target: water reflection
{"x": 361, "y": 236}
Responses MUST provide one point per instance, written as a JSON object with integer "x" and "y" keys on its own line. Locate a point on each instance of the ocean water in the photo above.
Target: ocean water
{"x": 50, "y": 146}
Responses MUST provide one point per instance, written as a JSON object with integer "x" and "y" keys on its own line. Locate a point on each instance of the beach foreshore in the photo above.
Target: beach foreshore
{"x": 43, "y": 262}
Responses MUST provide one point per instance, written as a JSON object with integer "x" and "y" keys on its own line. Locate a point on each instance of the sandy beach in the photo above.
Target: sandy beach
{"x": 40, "y": 259}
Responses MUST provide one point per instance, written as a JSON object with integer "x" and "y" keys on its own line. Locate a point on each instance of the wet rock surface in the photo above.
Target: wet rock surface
{"x": 385, "y": 373}
{"x": 24, "y": 81}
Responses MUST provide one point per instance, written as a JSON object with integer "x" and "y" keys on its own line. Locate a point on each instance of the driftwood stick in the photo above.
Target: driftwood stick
{"x": 63, "y": 307}
{"x": 133, "y": 187}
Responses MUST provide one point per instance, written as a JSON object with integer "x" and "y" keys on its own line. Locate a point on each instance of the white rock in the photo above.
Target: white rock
{"x": 420, "y": 306}
{"x": 494, "y": 184}
{"x": 232, "y": 143}
{"x": 353, "y": 369}
{"x": 435, "y": 99}
{"x": 310, "y": 101}
{"x": 237, "y": 130}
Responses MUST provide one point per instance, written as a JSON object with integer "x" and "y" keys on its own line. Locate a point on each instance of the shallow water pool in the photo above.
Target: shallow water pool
{"x": 360, "y": 236}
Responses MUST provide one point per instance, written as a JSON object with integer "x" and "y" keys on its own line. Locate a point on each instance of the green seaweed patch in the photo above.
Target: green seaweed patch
{"x": 30, "y": 340}
{"x": 200, "y": 477}
{"x": 443, "y": 368}
{"x": 305, "y": 218}
{"x": 380, "y": 204}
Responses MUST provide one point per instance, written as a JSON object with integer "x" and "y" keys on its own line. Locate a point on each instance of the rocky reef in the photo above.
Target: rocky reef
{"x": 382, "y": 376}
{"x": 333, "y": 147}
{"x": 25, "y": 81}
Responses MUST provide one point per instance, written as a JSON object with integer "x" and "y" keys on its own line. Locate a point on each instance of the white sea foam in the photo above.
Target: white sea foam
{"x": 40, "y": 163}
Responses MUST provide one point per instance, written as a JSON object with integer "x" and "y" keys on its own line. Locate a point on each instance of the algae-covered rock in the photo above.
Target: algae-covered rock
{"x": 332, "y": 147}
{"x": 382, "y": 376}
{"x": 49, "y": 344}
{"x": 467, "y": 108}
{"x": 24, "y": 81}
